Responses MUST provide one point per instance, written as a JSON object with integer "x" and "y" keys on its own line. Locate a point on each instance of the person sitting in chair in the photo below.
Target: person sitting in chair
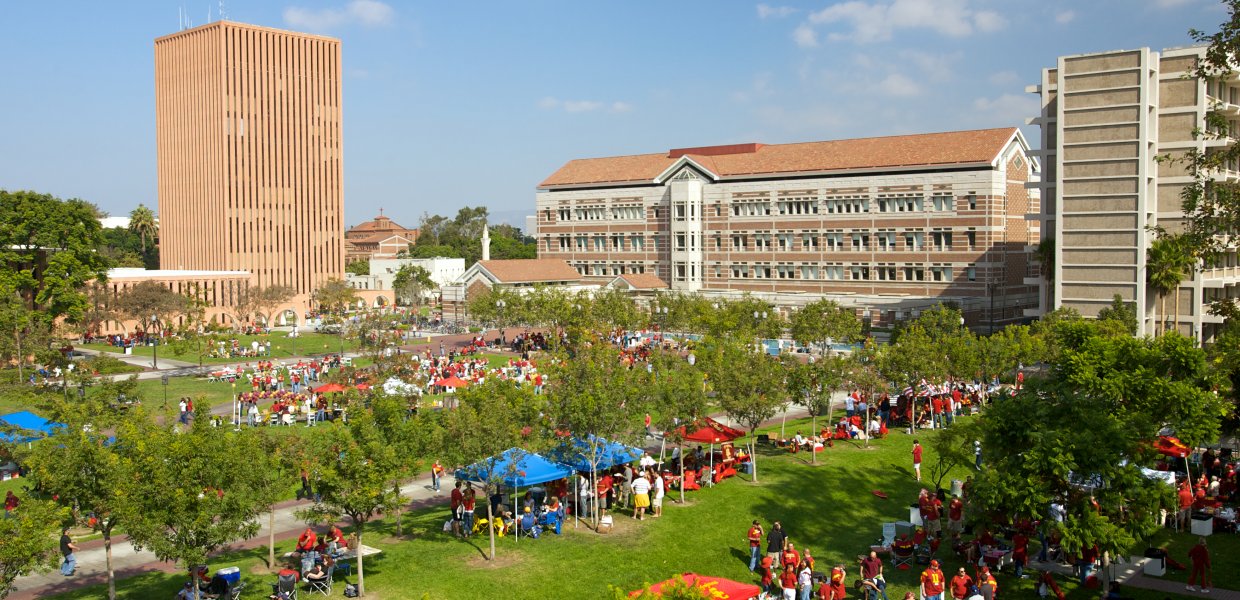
{"x": 529, "y": 522}
{"x": 317, "y": 574}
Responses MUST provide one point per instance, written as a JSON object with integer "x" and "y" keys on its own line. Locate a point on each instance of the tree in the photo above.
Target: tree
{"x": 679, "y": 392}
{"x": 819, "y": 321}
{"x": 1168, "y": 263}
{"x": 30, "y": 540}
{"x": 1123, "y": 312}
{"x": 26, "y": 335}
{"x": 951, "y": 447}
{"x": 411, "y": 438}
{"x": 355, "y": 481}
{"x": 358, "y": 267}
{"x": 863, "y": 374}
{"x": 411, "y": 283}
{"x": 813, "y": 385}
{"x": 84, "y": 472}
{"x": 1081, "y": 436}
{"x": 151, "y": 305}
{"x": 191, "y": 492}
{"x": 491, "y": 418}
{"x": 1005, "y": 350}
{"x": 48, "y": 252}
{"x": 749, "y": 386}
{"x": 266, "y": 300}
{"x": 912, "y": 359}
{"x": 142, "y": 221}
{"x": 334, "y": 297}
{"x": 597, "y": 399}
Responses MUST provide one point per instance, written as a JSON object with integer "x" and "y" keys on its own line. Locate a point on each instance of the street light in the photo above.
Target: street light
{"x": 155, "y": 348}
{"x": 758, "y": 317}
{"x": 499, "y": 317}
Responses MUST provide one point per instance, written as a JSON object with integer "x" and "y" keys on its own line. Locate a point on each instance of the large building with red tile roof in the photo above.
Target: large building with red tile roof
{"x": 380, "y": 238}
{"x": 887, "y": 225}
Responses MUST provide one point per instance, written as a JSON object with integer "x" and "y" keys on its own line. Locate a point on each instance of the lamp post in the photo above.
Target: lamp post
{"x": 758, "y": 317}
{"x": 499, "y": 318}
{"x": 155, "y": 348}
{"x": 236, "y": 407}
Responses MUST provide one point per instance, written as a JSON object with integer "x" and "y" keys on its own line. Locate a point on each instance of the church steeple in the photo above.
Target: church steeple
{"x": 486, "y": 243}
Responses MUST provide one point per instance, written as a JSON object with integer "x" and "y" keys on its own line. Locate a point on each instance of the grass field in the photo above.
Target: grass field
{"x": 282, "y": 346}
{"x": 827, "y": 508}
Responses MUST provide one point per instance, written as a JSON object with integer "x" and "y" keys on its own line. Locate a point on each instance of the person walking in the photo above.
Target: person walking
{"x": 67, "y": 548}
{"x": 917, "y": 459}
{"x": 775, "y": 541}
{"x": 755, "y": 544}
{"x": 436, "y": 474}
{"x": 1200, "y": 555}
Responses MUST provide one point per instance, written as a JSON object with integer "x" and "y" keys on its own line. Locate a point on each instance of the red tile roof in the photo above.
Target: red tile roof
{"x": 738, "y": 160}
{"x": 530, "y": 270}
{"x": 645, "y": 281}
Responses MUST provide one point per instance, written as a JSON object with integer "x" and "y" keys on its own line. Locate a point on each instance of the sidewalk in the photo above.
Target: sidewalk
{"x": 127, "y": 562}
{"x": 1131, "y": 574}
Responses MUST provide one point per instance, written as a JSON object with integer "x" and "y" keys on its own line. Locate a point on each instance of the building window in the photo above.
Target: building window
{"x": 833, "y": 272}
{"x": 941, "y": 273}
{"x": 627, "y": 213}
{"x": 886, "y": 241}
{"x": 941, "y": 240}
{"x": 784, "y": 242}
{"x": 914, "y": 240}
{"x": 972, "y": 201}
{"x": 680, "y": 241}
{"x": 844, "y": 206}
{"x": 680, "y": 271}
{"x": 751, "y": 209}
{"x": 762, "y": 271}
{"x": 809, "y": 242}
{"x": 797, "y": 206}
{"x": 786, "y": 272}
{"x": 971, "y": 273}
{"x": 860, "y": 241}
{"x": 583, "y": 243}
{"x": 834, "y": 241}
{"x": 565, "y": 244}
{"x": 971, "y": 236}
{"x": 738, "y": 271}
{"x": 565, "y": 214}
{"x": 809, "y": 271}
{"x": 637, "y": 242}
{"x": 762, "y": 241}
{"x": 859, "y": 273}
{"x": 914, "y": 274}
{"x": 942, "y": 203}
{"x": 886, "y": 272}
{"x": 600, "y": 243}
{"x": 679, "y": 211}
{"x": 738, "y": 243}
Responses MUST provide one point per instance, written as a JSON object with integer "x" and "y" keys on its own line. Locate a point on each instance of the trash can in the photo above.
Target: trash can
{"x": 957, "y": 487}
{"x": 1202, "y": 524}
{"x": 1156, "y": 566}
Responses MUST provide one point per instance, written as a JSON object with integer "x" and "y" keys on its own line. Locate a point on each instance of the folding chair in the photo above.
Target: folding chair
{"x": 902, "y": 552}
{"x": 322, "y": 586}
{"x": 285, "y": 587}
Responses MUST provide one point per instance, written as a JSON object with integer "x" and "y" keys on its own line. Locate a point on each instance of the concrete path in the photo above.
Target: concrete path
{"x": 127, "y": 562}
{"x": 1131, "y": 574}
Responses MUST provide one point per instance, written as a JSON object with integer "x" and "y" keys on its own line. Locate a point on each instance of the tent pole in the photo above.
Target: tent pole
{"x": 711, "y": 475}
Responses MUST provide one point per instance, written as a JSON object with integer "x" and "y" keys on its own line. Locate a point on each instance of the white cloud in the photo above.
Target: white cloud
{"x": 1171, "y": 3}
{"x": 759, "y": 88}
{"x": 876, "y": 21}
{"x": 368, "y": 13}
{"x": 1007, "y": 110}
{"x": 1004, "y": 78}
{"x": 1065, "y": 16}
{"x": 898, "y": 84}
{"x": 934, "y": 67}
{"x": 766, "y": 11}
{"x": 805, "y": 36}
{"x": 582, "y": 106}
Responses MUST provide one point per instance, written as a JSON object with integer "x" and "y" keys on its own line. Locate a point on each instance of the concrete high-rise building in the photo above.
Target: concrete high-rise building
{"x": 1106, "y": 119}
{"x": 248, "y": 125}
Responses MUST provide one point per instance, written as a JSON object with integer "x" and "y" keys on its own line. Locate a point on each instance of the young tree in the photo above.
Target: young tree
{"x": 30, "y": 540}
{"x": 25, "y": 334}
{"x": 819, "y": 321}
{"x": 597, "y": 399}
{"x": 267, "y": 300}
{"x": 191, "y": 492}
{"x": 491, "y": 418}
{"x": 411, "y": 438}
{"x": 358, "y": 267}
{"x": 411, "y": 283}
{"x": 334, "y": 298}
{"x": 83, "y": 471}
{"x": 153, "y": 306}
{"x": 749, "y": 385}
{"x": 679, "y": 392}
{"x": 813, "y": 385}
{"x": 358, "y": 467}
{"x": 1123, "y": 312}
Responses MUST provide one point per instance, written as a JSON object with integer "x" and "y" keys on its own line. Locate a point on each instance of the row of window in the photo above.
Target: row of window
{"x": 939, "y": 240}
{"x": 941, "y": 273}
{"x": 608, "y": 270}
{"x": 784, "y": 206}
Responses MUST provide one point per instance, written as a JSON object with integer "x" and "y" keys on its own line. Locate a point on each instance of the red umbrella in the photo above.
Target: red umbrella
{"x": 331, "y": 387}
{"x": 710, "y": 431}
{"x": 1171, "y": 446}
{"x": 452, "y": 381}
{"x": 722, "y": 589}
{"x": 362, "y": 386}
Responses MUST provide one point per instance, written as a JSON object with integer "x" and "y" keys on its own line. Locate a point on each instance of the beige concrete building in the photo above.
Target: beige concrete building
{"x": 1106, "y": 118}
{"x": 889, "y": 226}
{"x": 248, "y": 125}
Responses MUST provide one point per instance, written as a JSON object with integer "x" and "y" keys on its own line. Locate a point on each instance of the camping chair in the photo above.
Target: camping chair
{"x": 690, "y": 481}
{"x": 322, "y": 586}
{"x": 527, "y": 526}
{"x": 902, "y": 552}
{"x": 285, "y": 587}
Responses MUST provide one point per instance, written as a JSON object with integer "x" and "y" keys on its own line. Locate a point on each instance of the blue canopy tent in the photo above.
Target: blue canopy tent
{"x": 515, "y": 468}
{"x": 28, "y": 425}
{"x": 575, "y": 452}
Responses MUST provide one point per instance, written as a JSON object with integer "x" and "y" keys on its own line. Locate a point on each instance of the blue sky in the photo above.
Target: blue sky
{"x": 448, "y": 104}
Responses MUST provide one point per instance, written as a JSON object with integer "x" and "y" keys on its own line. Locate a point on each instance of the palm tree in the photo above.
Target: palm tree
{"x": 142, "y": 222}
{"x": 1168, "y": 263}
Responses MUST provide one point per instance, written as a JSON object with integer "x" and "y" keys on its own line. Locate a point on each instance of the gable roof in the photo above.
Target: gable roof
{"x": 927, "y": 150}
{"x": 640, "y": 281}
{"x": 528, "y": 270}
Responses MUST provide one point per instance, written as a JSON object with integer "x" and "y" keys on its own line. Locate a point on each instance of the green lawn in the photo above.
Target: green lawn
{"x": 282, "y": 346}
{"x": 828, "y": 508}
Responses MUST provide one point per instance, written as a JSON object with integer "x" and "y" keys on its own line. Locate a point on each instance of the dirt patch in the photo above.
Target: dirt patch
{"x": 504, "y": 557}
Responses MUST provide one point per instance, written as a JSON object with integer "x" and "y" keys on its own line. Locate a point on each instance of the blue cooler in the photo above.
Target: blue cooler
{"x": 230, "y": 574}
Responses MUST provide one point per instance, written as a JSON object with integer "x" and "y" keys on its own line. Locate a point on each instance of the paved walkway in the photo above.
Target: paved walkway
{"x": 127, "y": 562}
{"x": 1131, "y": 574}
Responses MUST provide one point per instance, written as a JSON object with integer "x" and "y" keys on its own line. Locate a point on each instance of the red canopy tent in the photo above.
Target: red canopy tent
{"x": 722, "y": 589}
{"x": 362, "y": 386}
{"x": 452, "y": 381}
{"x": 710, "y": 431}
{"x": 330, "y": 387}
{"x": 1172, "y": 446}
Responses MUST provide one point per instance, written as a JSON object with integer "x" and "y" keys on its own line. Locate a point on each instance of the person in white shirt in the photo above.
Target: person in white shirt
{"x": 641, "y": 496}
{"x": 656, "y": 503}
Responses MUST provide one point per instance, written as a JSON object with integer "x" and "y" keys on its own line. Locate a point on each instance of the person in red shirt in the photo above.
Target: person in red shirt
{"x": 1020, "y": 553}
{"x": 1200, "y": 555}
{"x": 790, "y": 556}
{"x": 306, "y": 542}
{"x": 917, "y": 459}
{"x": 1186, "y": 505}
{"x": 768, "y": 573}
{"x": 788, "y": 581}
{"x": 755, "y": 544}
{"x": 934, "y": 515}
{"x": 955, "y": 516}
{"x": 960, "y": 585}
{"x": 987, "y": 585}
{"x": 458, "y": 500}
{"x": 932, "y": 582}
{"x": 837, "y": 587}
{"x": 936, "y": 406}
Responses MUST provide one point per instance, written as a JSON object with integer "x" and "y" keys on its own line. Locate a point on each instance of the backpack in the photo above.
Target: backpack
{"x": 350, "y": 591}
